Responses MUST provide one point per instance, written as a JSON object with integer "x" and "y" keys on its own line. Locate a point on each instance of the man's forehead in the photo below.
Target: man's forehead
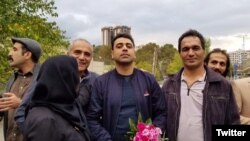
{"x": 218, "y": 56}
{"x": 17, "y": 45}
{"x": 191, "y": 38}
{"x": 123, "y": 40}
{"x": 81, "y": 47}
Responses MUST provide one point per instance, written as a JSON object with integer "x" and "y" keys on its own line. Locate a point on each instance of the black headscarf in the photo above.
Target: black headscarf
{"x": 57, "y": 89}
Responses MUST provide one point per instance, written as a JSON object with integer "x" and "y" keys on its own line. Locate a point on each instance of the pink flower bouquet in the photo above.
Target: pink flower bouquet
{"x": 147, "y": 132}
{"x": 144, "y": 131}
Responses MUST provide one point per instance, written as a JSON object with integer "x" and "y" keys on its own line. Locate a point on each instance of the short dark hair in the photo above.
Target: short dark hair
{"x": 122, "y": 35}
{"x": 191, "y": 32}
{"x": 224, "y": 52}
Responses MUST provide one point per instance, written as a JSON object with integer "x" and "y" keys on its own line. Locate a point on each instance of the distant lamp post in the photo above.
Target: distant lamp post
{"x": 235, "y": 71}
{"x": 154, "y": 61}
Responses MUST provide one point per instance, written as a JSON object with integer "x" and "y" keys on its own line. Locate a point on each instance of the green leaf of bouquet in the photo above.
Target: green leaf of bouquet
{"x": 132, "y": 125}
{"x": 164, "y": 138}
{"x": 139, "y": 118}
{"x": 148, "y": 121}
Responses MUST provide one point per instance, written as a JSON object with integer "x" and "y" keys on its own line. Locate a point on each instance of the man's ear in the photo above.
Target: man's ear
{"x": 112, "y": 56}
{"x": 28, "y": 55}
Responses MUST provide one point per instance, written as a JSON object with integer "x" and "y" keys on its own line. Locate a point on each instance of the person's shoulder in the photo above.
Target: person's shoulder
{"x": 242, "y": 81}
{"x": 144, "y": 76}
{"x": 93, "y": 74}
{"x": 213, "y": 76}
{"x": 41, "y": 113}
{"x": 143, "y": 72}
{"x": 40, "y": 109}
{"x": 105, "y": 75}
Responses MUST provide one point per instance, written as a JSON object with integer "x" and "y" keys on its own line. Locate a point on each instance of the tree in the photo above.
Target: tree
{"x": 145, "y": 57}
{"x": 29, "y": 18}
{"x": 175, "y": 65}
{"x": 143, "y": 65}
{"x": 166, "y": 55}
{"x": 103, "y": 53}
{"x": 207, "y": 45}
{"x": 145, "y": 53}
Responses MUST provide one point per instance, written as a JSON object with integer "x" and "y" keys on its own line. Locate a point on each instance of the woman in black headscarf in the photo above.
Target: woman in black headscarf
{"x": 54, "y": 113}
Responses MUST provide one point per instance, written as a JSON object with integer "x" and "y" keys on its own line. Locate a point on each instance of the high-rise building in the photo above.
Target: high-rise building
{"x": 107, "y": 35}
{"x": 239, "y": 57}
{"x": 109, "y": 32}
{"x": 238, "y": 60}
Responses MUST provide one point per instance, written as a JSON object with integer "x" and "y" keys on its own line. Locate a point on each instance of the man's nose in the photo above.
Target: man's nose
{"x": 10, "y": 53}
{"x": 217, "y": 65}
{"x": 81, "y": 56}
{"x": 124, "y": 47}
{"x": 190, "y": 52}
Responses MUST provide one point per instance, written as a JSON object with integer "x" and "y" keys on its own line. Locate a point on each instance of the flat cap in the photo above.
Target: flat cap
{"x": 32, "y": 45}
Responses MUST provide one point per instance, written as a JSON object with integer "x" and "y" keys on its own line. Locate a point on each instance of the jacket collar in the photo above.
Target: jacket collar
{"x": 212, "y": 76}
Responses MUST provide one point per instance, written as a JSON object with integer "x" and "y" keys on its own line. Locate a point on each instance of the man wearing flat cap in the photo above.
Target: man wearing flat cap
{"x": 23, "y": 56}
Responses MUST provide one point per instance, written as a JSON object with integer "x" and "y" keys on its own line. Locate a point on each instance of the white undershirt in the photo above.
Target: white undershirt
{"x": 190, "y": 122}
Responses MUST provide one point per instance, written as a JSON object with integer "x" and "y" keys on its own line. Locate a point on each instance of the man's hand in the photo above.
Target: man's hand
{"x": 9, "y": 101}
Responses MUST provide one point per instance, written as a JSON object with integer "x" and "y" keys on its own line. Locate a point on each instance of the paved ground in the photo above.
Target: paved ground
{"x": 1, "y": 131}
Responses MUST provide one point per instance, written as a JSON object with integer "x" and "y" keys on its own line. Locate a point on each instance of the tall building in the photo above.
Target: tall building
{"x": 239, "y": 57}
{"x": 109, "y": 32}
{"x": 107, "y": 35}
{"x": 238, "y": 60}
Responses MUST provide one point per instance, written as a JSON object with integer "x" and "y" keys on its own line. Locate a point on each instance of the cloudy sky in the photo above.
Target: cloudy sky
{"x": 225, "y": 22}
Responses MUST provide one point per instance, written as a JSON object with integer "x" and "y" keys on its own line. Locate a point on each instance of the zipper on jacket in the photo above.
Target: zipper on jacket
{"x": 188, "y": 91}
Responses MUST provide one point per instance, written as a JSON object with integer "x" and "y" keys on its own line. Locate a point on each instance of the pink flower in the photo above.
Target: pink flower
{"x": 147, "y": 132}
{"x": 144, "y": 131}
{"x": 141, "y": 126}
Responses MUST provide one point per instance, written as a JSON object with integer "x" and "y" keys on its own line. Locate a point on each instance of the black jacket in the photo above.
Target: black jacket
{"x": 45, "y": 125}
{"x": 106, "y": 97}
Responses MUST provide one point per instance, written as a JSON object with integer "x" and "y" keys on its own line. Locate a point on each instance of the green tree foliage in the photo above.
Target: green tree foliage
{"x": 144, "y": 65}
{"x": 207, "y": 45}
{"x": 175, "y": 64}
{"x": 146, "y": 54}
{"x": 145, "y": 57}
{"x": 103, "y": 53}
{"x": 165, "y": 56}
{"x": 29, "y": 18}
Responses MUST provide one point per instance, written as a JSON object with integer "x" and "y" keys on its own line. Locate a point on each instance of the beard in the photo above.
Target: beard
{"x": 218, "y": 71}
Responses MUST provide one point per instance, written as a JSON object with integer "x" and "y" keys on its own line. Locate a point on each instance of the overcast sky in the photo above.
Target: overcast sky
{"x": 225, "y": 22}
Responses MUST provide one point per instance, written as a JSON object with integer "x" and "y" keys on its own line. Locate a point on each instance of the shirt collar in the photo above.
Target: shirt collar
{"x": 203, "y": 78}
